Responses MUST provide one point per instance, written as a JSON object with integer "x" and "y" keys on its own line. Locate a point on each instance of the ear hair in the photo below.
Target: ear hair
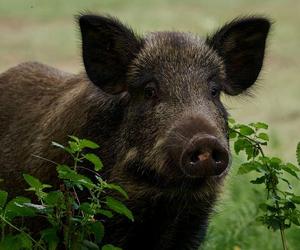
{"x": 241, "y": 45}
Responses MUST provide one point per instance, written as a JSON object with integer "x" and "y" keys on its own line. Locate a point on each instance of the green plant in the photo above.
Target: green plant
{"x": 280, "y": 210}
{"x": 72, "y": 223}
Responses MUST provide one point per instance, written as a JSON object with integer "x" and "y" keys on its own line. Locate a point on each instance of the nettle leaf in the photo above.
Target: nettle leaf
{"x": 263, "y": 136}
{"x": 3, "y": 198}
{"x": 55, "y": 144}
{"x": 66, "y": 173}
{"x": 54, "y": 198}
{"x": 290, "y": 171}
{"x": 50, "y": 236}
{"x": 95, "y": 160}
{"x": 84, "y": 143}
{"x": 296, "y": 199}
{"x": 118, "y": 207}
{"x": 16, "y": 207}
{"x": 97, "y": 229}
{"x": 116, "y": 188}
{"x": 105, "y": 212}
{"x": 298, "y": 153}
{"x": 110, "y": 247}
{"x": 32, "y": 181}
{"x": 86, "y": 208}
{"x": 231, "y": 120}
{"x": 86, "y": 244}
{"x": 232, "y": 134}
{"x": 259, "y": 180}
{"x": 74, "y": 146}
{"x": 242, "y": 144}
{"x": 248, "y": 167}
{"x": 259, "y": 125}
{"x": 246, "y": 130}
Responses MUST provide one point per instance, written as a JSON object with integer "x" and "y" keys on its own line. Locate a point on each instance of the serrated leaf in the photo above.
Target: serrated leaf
{"x": 232, "y": 134}
{"x": 105, "y": 212}
{"x": 260, "y": 125}
{"x": 290, "y": 171}
{"x": 86, "y": 244}
{"x": 3, "y": 198}
{"x": 25, "y": 241}
{"x": 263, "y": 136}
{"x": 231, "y": 120}
{"x": 32, "y": 181}
{"x": 98, "y": 230}
{"x": 246, "y": 168}
{"x": 116, "y": 188}
{"x": 241, "y": 144}
{"x": 110, "y": 247}
{"x": 118, "y": 207}
{"x": 259, "y": 180}
{"x": 51, "y": 238}
{"x": 246, "y": 130}
{"x": 296, "y": 199}
{"x": 65, "y": 173}
{"x": 95, "y": 160}
{"x": 84, "y": 143}
{"x": 16, "y": 207}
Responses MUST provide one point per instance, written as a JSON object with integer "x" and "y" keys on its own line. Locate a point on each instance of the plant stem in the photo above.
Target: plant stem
{"x": 21, "y": 231}
{"x": 283, "y": 238}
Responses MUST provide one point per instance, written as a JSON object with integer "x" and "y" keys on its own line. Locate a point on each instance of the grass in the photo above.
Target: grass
{"x": 44, "y": 30}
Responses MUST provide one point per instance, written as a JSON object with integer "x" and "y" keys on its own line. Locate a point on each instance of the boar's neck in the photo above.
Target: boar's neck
{"x": 162, "y": 225}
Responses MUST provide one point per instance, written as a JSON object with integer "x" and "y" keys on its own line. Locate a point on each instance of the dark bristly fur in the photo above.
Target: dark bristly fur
{"x": 143, "y": 100}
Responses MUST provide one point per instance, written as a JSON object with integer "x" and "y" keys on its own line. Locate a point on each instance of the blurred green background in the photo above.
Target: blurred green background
{"x": 46, "y": 31}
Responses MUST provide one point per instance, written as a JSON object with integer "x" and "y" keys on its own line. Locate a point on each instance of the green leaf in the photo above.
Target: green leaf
{"x": 247, "y": 167}
{"x": 3, "y": 198}
{"x": 296, "y": 199}
{"x": 290, "y": 171}
{"x": 110, "y": 247}
{"x": 65, "y": 173}
{"x": 74, "y": 146}
{"x": 263, "y": 136}
{"x": 242, "y": 144}
{"x": 118, "y": 207}
{"x": 32, "y": 181}
{"x": 16, "y": 207}
{"x": 298, "y": 153}
{"x": 231, "y": 120}
{"x": 54, "y": 198}
{"x": 232, "y": 134}
{"x": 105, "y": 212}
{"x": 86, "y": 244}
{"x": 98, "y": 230}
{"x": 95, "y": 160}
{"x": 50, "y": 236}
{"x": 86, "y": 208}
{"x": 25, "y": 241}
{"x": 292, "y": 167}
{"x": 259, "y": 180}
{"x": 84, "y": 143}
{"x": 246, "y": 130}
{"x": 116, "y": 188}
{"x": 259, "y": 125}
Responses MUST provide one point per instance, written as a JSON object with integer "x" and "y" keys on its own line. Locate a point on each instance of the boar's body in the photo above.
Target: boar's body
{"x": 153, "y": 104}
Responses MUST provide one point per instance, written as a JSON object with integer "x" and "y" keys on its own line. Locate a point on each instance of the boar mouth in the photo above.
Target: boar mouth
{"x": 149, "y": 177}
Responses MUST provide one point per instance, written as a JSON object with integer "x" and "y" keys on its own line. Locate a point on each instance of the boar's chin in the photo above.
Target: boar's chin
{"x": 149, "y": 177}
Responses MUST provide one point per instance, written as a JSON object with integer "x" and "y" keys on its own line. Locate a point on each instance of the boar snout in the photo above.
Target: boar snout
{"x": 204, "y": 156}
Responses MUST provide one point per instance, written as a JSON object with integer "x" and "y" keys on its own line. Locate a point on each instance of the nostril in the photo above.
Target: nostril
{"x": 217, "y": 156}
{"x": 195, "y": 157}
{"x": 204, "y": 156}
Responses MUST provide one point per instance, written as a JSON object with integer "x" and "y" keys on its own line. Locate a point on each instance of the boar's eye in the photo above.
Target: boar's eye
{"x": 215, "y": 91}
{"x": 150, "y": 90}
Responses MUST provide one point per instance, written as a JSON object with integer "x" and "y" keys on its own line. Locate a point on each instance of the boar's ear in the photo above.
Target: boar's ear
{"x": 241, "y": 45}
{"x": 108, "y": 48}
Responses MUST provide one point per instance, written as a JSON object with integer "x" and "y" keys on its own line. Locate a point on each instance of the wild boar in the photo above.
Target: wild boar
{"x": 153, "y": 104}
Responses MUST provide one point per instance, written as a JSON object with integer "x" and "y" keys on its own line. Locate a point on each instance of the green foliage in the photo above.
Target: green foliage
{"x": 280, "y": 210}
{"x": 71, "y": 222}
